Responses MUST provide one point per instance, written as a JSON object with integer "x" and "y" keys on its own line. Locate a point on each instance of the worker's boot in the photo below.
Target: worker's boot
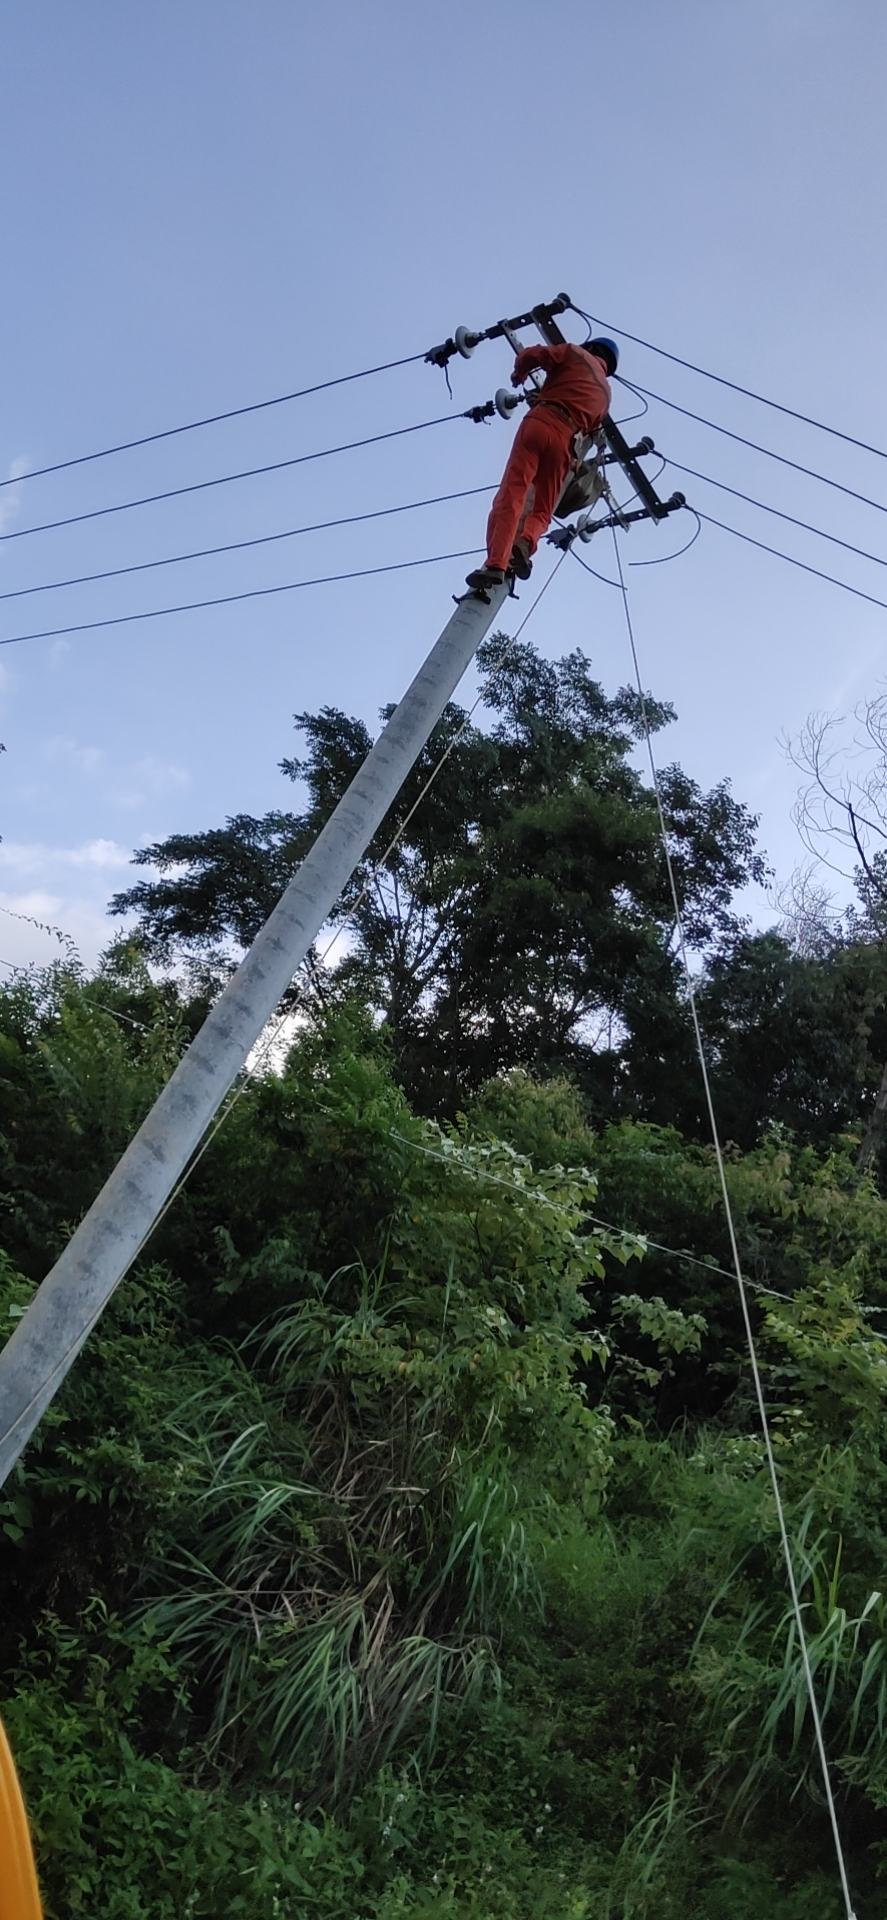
{"x": 485, "y": 577}
{"x": 521, "y": 564}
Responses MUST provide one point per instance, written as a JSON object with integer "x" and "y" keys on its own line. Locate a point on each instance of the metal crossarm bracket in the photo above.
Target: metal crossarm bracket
{"x": 585, "y": 527}
{"x": 616, "y": 441}
{"x": 464, "y": 340}
{"x": 545, "y": 318}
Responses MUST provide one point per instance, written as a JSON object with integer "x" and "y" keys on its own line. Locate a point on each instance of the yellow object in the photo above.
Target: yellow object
{"x": 19, "y": 1892}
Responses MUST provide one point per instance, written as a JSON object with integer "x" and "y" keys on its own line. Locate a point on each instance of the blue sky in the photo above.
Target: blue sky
{"x": 211, "y": 203}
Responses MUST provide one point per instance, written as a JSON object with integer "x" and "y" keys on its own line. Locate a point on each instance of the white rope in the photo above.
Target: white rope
{"x": 737, "y": 1265}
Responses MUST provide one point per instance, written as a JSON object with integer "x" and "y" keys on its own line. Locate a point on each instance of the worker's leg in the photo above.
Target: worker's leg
{"x": 508, "y": 506}
{"x": 554, "y": 456}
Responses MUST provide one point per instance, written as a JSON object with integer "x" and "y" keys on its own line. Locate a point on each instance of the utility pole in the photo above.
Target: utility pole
{"x": 66, "y": 1307}
{"x": 70, "y": 1300}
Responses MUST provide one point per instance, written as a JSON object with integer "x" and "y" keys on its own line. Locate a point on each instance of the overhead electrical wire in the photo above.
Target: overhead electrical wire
{"x": 749, "y": 393}
{"x": 228, "y": 599}
{"x": 662, "y": 559}
{"x": 237, "y": 546}
{"x": 602, "y": 577}
{"x": 659, "y": 560}
{"x": 780, "y": 514}
{"x": 465, "y": 493}
{"x": 777, "y": 552}
{"x": 803, "y": 564}
{"x": 209, "y": 420}
{"x": 796, "y": 465}
{"x": 224, "y": 479}
{"x": 292, "y": 586}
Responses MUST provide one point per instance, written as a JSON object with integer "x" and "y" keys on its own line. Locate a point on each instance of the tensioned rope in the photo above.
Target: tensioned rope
{"x": 270, "y": 1042}
{"x": 737, "y": 1263}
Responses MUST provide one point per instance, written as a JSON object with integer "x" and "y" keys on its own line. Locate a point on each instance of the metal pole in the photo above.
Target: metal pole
{"x": 48, "y": 1338}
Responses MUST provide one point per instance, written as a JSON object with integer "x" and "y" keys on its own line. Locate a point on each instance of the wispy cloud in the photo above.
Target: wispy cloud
{"x": 62, "y": 750}
{"x": 35, "y": 858}
{"x": 151, "y": 779}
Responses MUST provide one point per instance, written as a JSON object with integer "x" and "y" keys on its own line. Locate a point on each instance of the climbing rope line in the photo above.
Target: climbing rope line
{"x": 636, "y": 1238}
{"x": 737, "y": 1263}
{"x": 101, "y": 1006}
{"x": 266, "y": 1047}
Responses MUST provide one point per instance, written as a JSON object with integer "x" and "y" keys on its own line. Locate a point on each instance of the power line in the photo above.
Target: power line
{"x": 803, "y": 564}
{"x": 777, "y": 552}
{"x": 602, "y": 577}
{"x": 228, "y": 599}
{"x": 662, "y": 559}
{"x": 237, "y": 546}
{"x": 778, "y": 511}
{"x": 224, "y": 479}
{"x": 209, "y": 420}
{"x": 748, "y": 392}
{"x": 755, "y": 446}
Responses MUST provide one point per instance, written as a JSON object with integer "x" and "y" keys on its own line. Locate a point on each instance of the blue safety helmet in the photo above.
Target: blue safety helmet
{"x": 606, "y": 350}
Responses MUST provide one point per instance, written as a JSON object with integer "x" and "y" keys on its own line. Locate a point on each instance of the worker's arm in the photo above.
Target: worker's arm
{"x": 531, "y": 358}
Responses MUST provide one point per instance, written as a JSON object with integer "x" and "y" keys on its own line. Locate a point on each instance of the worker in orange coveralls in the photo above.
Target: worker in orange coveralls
{"x": 570, "y": 405}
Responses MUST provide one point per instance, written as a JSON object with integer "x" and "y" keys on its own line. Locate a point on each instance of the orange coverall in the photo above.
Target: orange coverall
{"x": 574, "y": 399}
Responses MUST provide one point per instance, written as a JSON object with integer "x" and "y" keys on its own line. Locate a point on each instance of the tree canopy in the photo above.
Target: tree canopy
{"x": 402, "y": 1542}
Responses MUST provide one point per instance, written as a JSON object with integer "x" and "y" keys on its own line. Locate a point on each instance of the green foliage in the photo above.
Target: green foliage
{"x": 365, "y": 1476}
{"x": 756, "y": 1687}
{"x": 391, "y": 1549}
{"x": 522, "y": 916}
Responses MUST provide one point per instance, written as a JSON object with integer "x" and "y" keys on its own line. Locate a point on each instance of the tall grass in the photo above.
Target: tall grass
{"x": 347, "y": 1560}
{"x": 756, "y": 1688}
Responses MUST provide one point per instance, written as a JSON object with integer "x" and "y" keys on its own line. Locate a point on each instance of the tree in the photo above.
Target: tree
{"x": 841, "y": 815}
{"x": 524, "y": 916}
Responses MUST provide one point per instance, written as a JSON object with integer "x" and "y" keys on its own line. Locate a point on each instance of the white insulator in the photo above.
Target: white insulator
{"x": 466, "y": 341}
{"x": 505, "y": 401}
